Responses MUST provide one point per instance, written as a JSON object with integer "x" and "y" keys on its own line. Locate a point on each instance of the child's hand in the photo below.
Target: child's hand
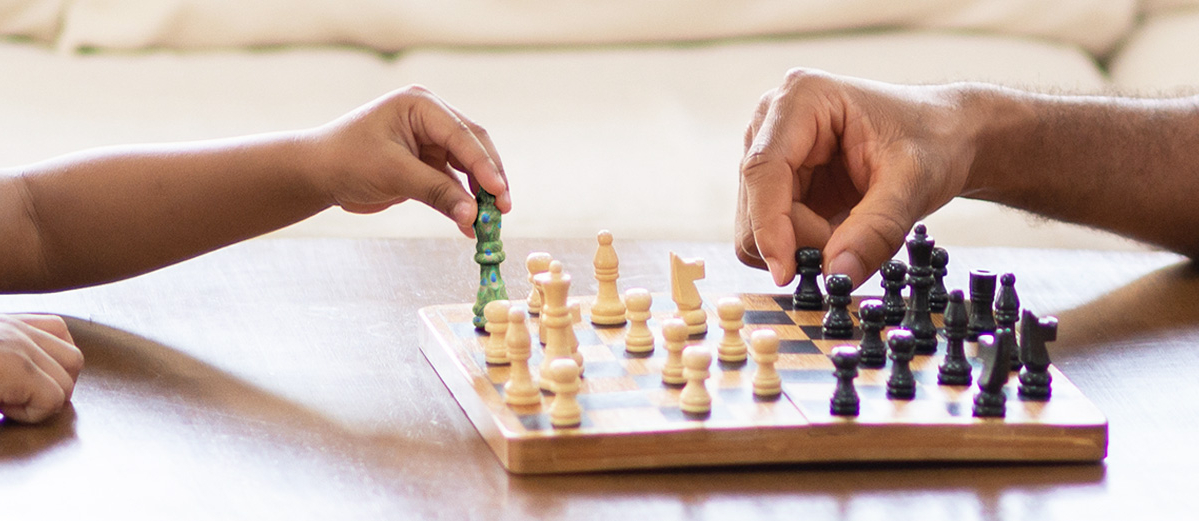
{"x": 39, "y": 364}
{"x": 409, "y": 144}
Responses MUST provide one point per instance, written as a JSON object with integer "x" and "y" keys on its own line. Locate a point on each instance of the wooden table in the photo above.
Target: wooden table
{"x": 281, "y": 379}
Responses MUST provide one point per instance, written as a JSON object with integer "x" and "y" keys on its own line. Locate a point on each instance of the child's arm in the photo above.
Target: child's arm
{"x": 112, "y": 213}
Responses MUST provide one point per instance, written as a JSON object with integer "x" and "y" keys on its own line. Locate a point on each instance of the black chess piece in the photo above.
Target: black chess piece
{"x": 807, "y": 292}
{"x": 991, "y": 402}
{"x": 920, "y": 281}
{"x": 1007, "y": 310}
{"x": 873, "y": 349}
{"x": 1034, "y": 333}
{"x": 845, "y": 398}
{"x": 982, "y": 295}
{"x": 838, "y": 323}
{"x": 902, "y": 384}
{"x": 894, "y": 274}
{"x": 955, "y": 369}
{"x": 938, "y": 297}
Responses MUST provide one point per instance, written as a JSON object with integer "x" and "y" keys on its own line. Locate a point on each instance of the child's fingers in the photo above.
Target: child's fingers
{"x": 50, "y": 333}
{"x": 465, "y": 140}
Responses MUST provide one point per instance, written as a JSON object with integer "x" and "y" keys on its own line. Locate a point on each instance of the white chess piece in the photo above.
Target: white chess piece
{"x": 496, "y": 313}
{"x": 565, "y": 410}
{"x": 674, "y": 336}
{"x": 683, "y": 274}
{"x": 519, "y": 389}
{"x": 607, "y": 310}
{"x": 765, "y": 346}
{"x": 555, "y": 316}
{"x": 537, "y": 263}
{"x": 639, "y": 339}
{"x": 732, "y": 312}
{"x": 695, "y": 398}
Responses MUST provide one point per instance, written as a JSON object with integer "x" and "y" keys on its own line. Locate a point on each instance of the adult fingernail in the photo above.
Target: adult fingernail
{"x": 848, "y": 263}
{"x": 776, "y": 271}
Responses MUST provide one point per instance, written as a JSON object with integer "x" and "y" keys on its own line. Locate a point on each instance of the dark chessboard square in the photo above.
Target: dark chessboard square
{"x": 767, "y": 317}
{"x": 650, "y": 381}
{"x": 587, "y": 337}
{"x": 541, "y": 422}
{"x": 798, "y": 347}
{"x": 806, "y": 376}
{"x": 604, "y": 369}
{"x": 616, "y": 400}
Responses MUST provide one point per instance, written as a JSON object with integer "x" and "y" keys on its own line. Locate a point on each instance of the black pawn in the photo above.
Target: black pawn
{"x": 874, "y": 350}
{"x": 982, "y": 295}
{"x": 920, "y": 280}
{"x": 838, "y": 323}
{"x": 938, "y": 297}
{"x": 894, "y": 273}
{"x": 845, "y": 397}
{"x": 955, "y": 369}
{"x": 807, "y": 293}
{"x": 1007, "y": 310}
{"x": 991, "y": 402}
{"x": 1034, "y": 333}
{"x": 902, "y": 384}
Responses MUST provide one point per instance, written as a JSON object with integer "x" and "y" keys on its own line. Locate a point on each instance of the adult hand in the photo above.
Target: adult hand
{"x": 846, "y": 166}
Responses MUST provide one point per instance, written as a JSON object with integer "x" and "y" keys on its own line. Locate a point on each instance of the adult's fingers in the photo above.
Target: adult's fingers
{"x": 871, "y": 234}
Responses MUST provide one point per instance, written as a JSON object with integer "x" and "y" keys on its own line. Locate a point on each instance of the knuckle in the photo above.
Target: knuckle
{"x": 438, "y": 195}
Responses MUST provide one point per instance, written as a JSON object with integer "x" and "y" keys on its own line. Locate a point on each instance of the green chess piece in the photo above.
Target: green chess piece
{"x": 489, "y": 253}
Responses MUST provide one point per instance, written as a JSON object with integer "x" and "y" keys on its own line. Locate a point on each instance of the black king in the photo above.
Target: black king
{"x": 920, "y": 280}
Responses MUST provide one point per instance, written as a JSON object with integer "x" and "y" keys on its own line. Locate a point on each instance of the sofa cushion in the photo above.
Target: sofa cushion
{"x": 36, "y": 19}
{"x": 1159, "y": 57}
{"x": 391, "y": 25}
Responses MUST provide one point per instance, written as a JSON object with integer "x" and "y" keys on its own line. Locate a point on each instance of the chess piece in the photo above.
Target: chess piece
{"x": 982, "y": 295}
{"x": 902, "y": 383}
{"x": 565, "y": 410}
{"x": 991, "y": 402}
{"x": 845, "y": 398}
{"x": 695, "y": 399}
{"x": 955, "y": 368}
{"x": 732, "y": 347}
{"x": 765, "y": 345}
{"x": 520, "y": 388}
{"x": 639, "y": 339}
{"x": 674, "y": 340}
{"x": 1034, "y": 333}
{"x": 555, "y": 315}
{"x": 1007, "y": 310}
{"x": 496, "y": 313}
{"x": 873, "y": 349}
{"x": 607, "y": 310}
{"x": 536, "y": 263}
{"x": 938, "y": 297}
{"x": 489, "y": 253}
{"x": 838, "y": 323}
{"x": 920, "y": 281}
{"x": 683, "y": 274}
{"x": 894, "y": 273}
{"x": 807, "y": 292}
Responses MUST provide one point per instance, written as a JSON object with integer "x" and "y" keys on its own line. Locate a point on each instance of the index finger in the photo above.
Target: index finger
{"x": 464, "y": 140}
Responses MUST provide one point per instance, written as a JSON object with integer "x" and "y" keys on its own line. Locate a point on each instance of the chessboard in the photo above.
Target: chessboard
{"x": 631, "y": 420}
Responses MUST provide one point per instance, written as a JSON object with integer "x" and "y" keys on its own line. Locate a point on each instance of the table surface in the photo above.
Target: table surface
{"x": 281, "y": 378}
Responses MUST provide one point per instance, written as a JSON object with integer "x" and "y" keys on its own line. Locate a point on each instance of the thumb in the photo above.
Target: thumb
{"x": 873, "y": 232}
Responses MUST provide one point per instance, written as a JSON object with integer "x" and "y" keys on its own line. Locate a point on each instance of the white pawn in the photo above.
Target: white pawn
{"x": 537, "y": 263}
{"x": 639, "y": 339}
{"x": 565, "y": 410}
{"x": 695, "y": 398}
{"x": 607, "y": 310}
{"x": 732, "y": 347}
{"x": 496, "y": 313}
{"x": 519, "y": 389}
{"x": 674, "y": 335}
{"x": 765, "y": 345}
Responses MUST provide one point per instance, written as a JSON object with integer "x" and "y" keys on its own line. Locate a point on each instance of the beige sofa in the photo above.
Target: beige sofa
{"x": 619, "y": 114}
